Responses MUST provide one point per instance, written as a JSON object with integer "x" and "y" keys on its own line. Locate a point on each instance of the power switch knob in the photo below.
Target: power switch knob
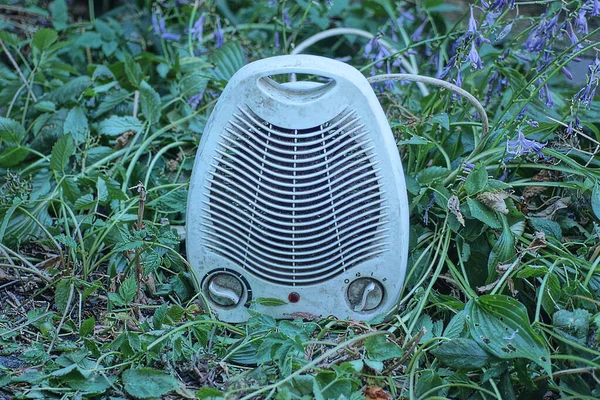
{"x": 225, "y": 290}
{"x": 365, "y": 294}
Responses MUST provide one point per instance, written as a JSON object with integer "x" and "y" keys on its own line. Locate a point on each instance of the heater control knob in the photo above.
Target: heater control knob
{"x": 225, "y": 290}
{"x": 365, "y": 294}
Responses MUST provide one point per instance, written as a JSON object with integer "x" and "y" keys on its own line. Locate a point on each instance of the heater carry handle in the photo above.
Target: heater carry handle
{"x": 305, "y": 64}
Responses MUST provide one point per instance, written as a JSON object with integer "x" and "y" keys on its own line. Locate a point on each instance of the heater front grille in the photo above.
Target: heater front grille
{"x": 295, "y": 207}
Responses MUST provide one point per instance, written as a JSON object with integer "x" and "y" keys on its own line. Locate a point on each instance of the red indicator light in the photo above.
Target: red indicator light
{"x": 293, "y": 297}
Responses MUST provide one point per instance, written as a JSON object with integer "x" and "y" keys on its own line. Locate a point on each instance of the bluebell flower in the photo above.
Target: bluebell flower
{"x": 218, "y": 34}
{"x": 198, "y": 28}
{"x": 491, "y": 17}
{"x": 595, "y": 8}
{"x": 499, "y": 5}
{"x": 286, "y": 18}
{"x": 472, "y": 29}
{"x": 276, "y": 40}
{"x": 158, "y": 23}
{"x": 581, "y": 22}
{"x": 416, "y": 36}
{"x": 374, "y": 51}
{"x": 586, "y": 94}
{"x": 427, "y": 208}
{"x": 446, "y": 70}
{"x": 195, "y": 100}
{"x": 521, "y": 146}
{"x": 505, "y": 31}
{"x": 567, "y": 73}
{"x": 474, "y": 58}
{"x": 546, "y": 95}
{"x": 459, "y": 80}
{"x": 541, "y": 34}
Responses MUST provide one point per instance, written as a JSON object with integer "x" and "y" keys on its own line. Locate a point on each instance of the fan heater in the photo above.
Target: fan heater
{"x": 298, "y": 194}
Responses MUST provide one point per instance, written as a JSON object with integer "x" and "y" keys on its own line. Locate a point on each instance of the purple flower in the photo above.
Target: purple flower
{"x": 586, "y": 94}
{"x": 218, "y": 34}
{"x": 500, "y": 4}
{"x": 595, "y": 8}
{"x": 581, "y": 22}
{"x": 416, "y": 36}
{"x": 472, "y": 29}
{"x": 198, "y": 28}
{"x": 541, "y": 34}
{"x": 522, "y": 146}
{"x": 286, "y": 18}
{"x": 567, "y": 73}
{"x": 491, "y": 17}
{"x": 276, "y": 40}
{"x": 195, "y": 100}
{"x": 505, "y": 31}
{"x": 546, "y": 95}
{"x": 158, "y": 23}
{"x": 374, "y": 51}
{"x": 474, "y": 58}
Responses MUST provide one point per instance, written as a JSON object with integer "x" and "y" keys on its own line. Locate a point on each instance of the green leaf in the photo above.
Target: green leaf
{"x": 128, "y": 290}
{"x": 462, "y": 353}
{"x": 45, "y": 106}
{"x": 456, "y": 325}
{"x": 483, "y": 214}
{"x": 477, "y": 180}
{"x": 11, "y": 131}
{"x": 115, "y": 126}
{"x": 62, "y": 150}
{"x": 61, "y": 294}
{"x": 207, "y": 393}
{"x": 432, "y": 174}
{"x": 66, "y": 240}
{"x": 146, "y": 383}
{"x": 158, "y": 319}
{"x": 575, "y": 324}
{"x": 550, "y": 228}
{"x": 44, "y": 38}
{"x": 71, "y": 89}
{"x": 379, "y": 349}
{"x": 102, "y": 190}
{"x": 87, "y": 327}
{"x": 76, "y": 124}
{"x": 193, "y": 83}
{"x": 596, "y": 199}
{"x": 134, "y": 72}
{"x": 85, "y": 202}
{"x": 228, "y": 60}
{"x": 500, "y": 325}
{"x": 149, "y": 103}
{"x": 13, "y": 155}
{"x": 58, "y": 8}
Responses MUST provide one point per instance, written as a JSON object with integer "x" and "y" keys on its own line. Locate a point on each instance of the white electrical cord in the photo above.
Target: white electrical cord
{"x": 485, "y": 124}
{"x": 358, "y": 32}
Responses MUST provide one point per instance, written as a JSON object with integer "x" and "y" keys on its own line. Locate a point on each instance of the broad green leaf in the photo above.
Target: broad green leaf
{"x": 44, "y": 38}
{"x": 550, "y": 228}
{"x": 102, "y": 190}
{"x": 76, "y": 124}
{"x": 158, "y": 319}
{"x": 596, "y": 199}
{"x": 575, "y": 324}
{"x": 128, "y": 290}
{"x": 45, "y": 106}
{"x": 456, "y": 325}
{"x": 115, "y": 126}
{"x": 477, "y": 180}
{"x": 134, "y": 72}
{"x": 95, "y": 383}
{"x": 13, "y": 155}
{"x": 93, "y": 40}
{"x": 208, "y": 393}
{"x": 61, "y": 152}
{"x": 432, "y": 174}
{"x": 146, "y": 383}
{"x": 11, "y": 131}
{"x": 58, "y": 8}
{"x": 379, "y": 349}
{"x": 10, "y": 38}
{"x": 85, "y": 202}
{"x": 228, "y": 60}
{"x": 61, "y": 294}
{"x": 193, "y": 83}
{"x": 71, "y": 89}
{"x": 87, "y": 327}
{"x": 149, "y": 103}
{"x": 66, "y": 240}
{"x": 483, "y": 214}
{"x": 270, "y": 301}
{"x": 462, "y": 353}
{"x": 504, "y": 249}
{"x": 500, "y": 325}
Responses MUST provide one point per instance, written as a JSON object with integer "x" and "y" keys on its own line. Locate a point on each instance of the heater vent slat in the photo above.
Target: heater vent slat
{"x": 295, "y": 206}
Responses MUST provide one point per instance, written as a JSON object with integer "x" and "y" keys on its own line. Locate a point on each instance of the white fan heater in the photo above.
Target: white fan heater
{"x": 298, "y": 194}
